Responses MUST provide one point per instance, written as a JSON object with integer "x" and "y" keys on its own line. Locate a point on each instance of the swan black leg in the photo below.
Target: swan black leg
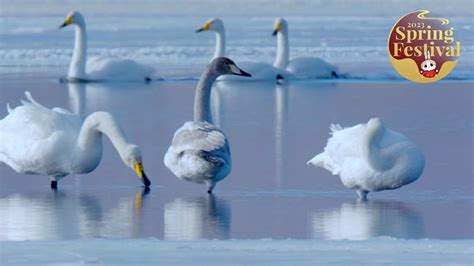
{"x": 54, "y": 185}
{"x": 334, "y": 74}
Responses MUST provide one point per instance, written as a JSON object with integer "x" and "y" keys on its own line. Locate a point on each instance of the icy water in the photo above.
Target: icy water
{"x": 273, "y": 129}
{"x": 271, "y": 192}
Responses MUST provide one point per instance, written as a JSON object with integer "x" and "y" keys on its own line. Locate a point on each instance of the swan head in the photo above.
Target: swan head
{"x": 280, "y": 26}
{"x": 73, "y": 17}
{"x": 224, "y": 66}
{"x": 375, "y": 124}
{"x": 375, "y": 130}
{"x": 132, "y": 157}
{"x": 214, "y": 24}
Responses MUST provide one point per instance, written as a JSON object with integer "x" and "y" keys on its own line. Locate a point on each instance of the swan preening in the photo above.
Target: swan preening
{"x": 199, "y": 151}
{"x": 99, "y": 68}
{"x": 56, "y": 142}
{"x": 370, "y": 157}
{"x": 300, "y": 67}
{"x": 260, "y": 71}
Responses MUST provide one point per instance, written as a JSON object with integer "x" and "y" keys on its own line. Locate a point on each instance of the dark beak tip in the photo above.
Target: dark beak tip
{"x": 199, "y": 30}
{"x": 274, "y": 33}
{"x": 145, "y": 180}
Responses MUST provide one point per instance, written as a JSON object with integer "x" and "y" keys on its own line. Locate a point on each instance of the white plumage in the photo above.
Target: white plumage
{"x": 100, "y": 68}
{"x": 116, "y": 69}
{"x": 299, "y": 67}
{"x": 200, "y": 153}
{"x": 56, "y": 142}
{"x": 369, "y": 157}
{"x": 311, "y": 68}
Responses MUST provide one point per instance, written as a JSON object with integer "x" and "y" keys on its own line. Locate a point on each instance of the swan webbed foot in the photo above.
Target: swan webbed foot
{"x": 147, "y": 79}
{"x": 279, "y": 77}
{"x": 54, "y": 185}
{"x": 334, "y": 74}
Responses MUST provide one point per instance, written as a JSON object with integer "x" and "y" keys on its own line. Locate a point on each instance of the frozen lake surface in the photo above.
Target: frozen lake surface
{"x": 240, "y": 252}
{"x": 271, "y": 192}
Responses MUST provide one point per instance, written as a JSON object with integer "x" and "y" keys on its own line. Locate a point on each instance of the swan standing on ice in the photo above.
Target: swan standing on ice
{"x": 99, "y": 68}
{"x": 56, "y": 142}
{"x": 369, "y": 157}
{"x": 260, "y": 71}
{"x": 300, "y": 67}
{"x": 200, "y": 151}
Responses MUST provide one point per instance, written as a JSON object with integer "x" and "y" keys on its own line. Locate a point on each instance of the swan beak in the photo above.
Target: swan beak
{"x": 205, "y": 27}
{"x": 68, "y": 21}
{"x": 237, "y": 71}
{"x": 141, "y": 174}
{"x": 276, "y": 30}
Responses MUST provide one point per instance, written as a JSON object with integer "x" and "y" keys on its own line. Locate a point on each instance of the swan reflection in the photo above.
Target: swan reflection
{"x": 70, "y": 215}
{"x": 368, "y": 219}
{"x": 125, "y": 220}
{"x": 205, "y": 217}
{"x": 77, "y": 98}
{"x": 281, "y": 117}
{"x": 50, "y": 216}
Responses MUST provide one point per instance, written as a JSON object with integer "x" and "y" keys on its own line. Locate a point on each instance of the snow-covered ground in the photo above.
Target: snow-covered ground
{"x": 240, "y": 252}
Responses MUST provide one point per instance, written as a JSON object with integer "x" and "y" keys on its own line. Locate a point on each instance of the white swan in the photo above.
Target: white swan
{"x": 55, "y": 142}
{"x": 200, "y": 151}
{"x": 369, "y": 157}
{"x": 300, "y": 67}
{"x": 260, "y": 71}
{"x": 100, "y": 68}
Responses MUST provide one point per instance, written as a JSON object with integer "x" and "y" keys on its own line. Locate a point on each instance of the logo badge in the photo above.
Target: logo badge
{"x": 423, "y": 49}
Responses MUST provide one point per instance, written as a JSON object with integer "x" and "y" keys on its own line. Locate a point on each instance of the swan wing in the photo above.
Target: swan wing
{"x": 103, "y": 68}
{"x": 199, "y": 152}
{"x": 198, "y": 136}
{"x": 33, "y": 135}
{"x": 311, "y": 67}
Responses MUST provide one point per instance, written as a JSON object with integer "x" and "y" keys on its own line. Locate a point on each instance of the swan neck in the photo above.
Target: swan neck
{"x": 375, "y": 155}
{"x": 283, "y": 50}
{"x": 77, "y": 68}
{"x": 99, "y": 123}
{"x": 220, "y": 44}
{"x": 202, "y": 99}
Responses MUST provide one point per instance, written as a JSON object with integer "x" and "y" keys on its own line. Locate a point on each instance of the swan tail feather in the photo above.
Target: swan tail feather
{"x": 31, "y": 101}
{"x": 321, "y": 160}
{"x": 9, "y": 109}
{"x": 317, "y": 160}
{"x": 335, "y": 127}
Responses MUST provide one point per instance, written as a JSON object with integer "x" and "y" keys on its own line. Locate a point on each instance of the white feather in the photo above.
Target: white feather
{"x": 389, "y": 163}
